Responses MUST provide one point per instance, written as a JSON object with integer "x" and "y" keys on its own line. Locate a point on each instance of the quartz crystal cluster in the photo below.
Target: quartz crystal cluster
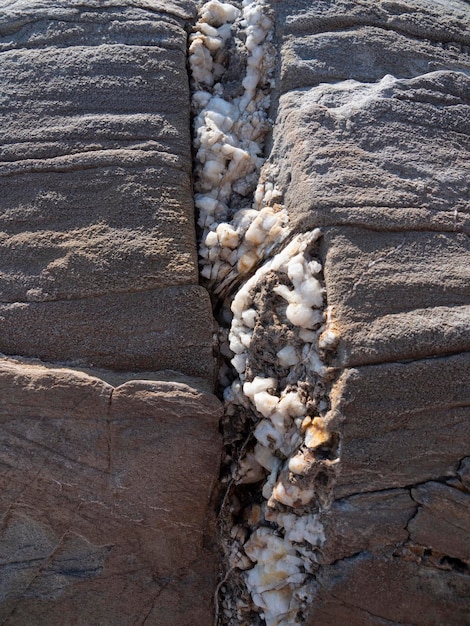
{"x": 278, "y": 332}
{"x": 231, "y": 60}
{"x": 291, "y": 455}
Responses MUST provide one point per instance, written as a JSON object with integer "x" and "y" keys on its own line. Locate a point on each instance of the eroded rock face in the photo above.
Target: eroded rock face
{"x": 370, "y": 143}
{"x": 97, "y": 223}
{"x": 107, "y": 474}
{"x": 354, "y": 344}
{"x": 105, "y": 496}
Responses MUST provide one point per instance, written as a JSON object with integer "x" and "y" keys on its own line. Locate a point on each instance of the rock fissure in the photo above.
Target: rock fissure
{"x": 274, "y": 330}
{"x": 258, "y": 304}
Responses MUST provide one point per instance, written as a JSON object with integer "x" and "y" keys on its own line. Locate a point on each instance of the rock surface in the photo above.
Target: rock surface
{"x": 97, "y": 222}
{"x": 371, "y": 144}
{"x": 106, "y": 475}
{"x": 105, "y": 497}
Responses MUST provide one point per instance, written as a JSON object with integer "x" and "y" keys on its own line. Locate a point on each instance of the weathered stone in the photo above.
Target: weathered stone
{"x": 367, "y": 591}
{"x": 98, "y": 260}
{"x": 371, "y": 144}
{"x": 398, "y": 296}
{"x": 334, "y": 40}
{"x": 404, "y": 423}
{"x": 377, "y": 154}
{"x": 95, "y": 151}
{"x": 443, "y": 521}
{"x": 169, "y": 328}
{"x": 366, "y": 522}
{"x": 105, "y": 495}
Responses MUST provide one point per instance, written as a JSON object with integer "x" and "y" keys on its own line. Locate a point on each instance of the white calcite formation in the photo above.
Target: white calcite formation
{"x": 290, "y": 455}
{"x": 294, "y": 455}
{"x": 240, "y": 216}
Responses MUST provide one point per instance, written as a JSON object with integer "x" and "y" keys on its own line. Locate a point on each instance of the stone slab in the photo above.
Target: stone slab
{"x": 402, "y": 423}
{"x": 397, "y": 296}
{"x": 98, "y": 259}
{"x": 96, "y": 164}
{"x": 336, "y": 40}
{"x": 368, "y": 591}
{"x": 106, "y": 502}
{"x": 366, "y": 523}
{"x": 388, "y": 155}
{"x": 169, "y": 328}
{"x": 443, "y": 520}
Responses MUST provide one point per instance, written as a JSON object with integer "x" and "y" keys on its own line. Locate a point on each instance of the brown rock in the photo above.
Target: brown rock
{"x": 96, "y": 150}
{"x": 371, "y": 144}
{"x": 98, "y": 262}
{"x": 105, "y": 496}
{"x": 404, "y": 423}
{"x": 169, "y": 328}
{"x": 398, "y": 296}
{"x": 365, "y": 523}
{"x": 443, "y": 521}
{"x": 367, "y": 591}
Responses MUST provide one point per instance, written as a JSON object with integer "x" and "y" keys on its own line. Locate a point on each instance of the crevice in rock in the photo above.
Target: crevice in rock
{"x": 275, "y": 331}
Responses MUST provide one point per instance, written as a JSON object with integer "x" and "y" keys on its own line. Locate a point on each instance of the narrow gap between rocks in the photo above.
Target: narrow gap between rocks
{"x": 275, "y": 332}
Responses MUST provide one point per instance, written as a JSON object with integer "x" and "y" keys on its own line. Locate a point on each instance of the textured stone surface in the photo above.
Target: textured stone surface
{"x": 169, "y": 328}
{"x": 388, "y": 155}
{"x": 97, "y": 220}
{"x": 398, "y": 427}
{"x": 366, "y": 522}
{"x": 105, "y": 499}
{"x": 106, "y": 476}
{"x": 333, "y": 40}
{"x": 371, "y": 143}
{"x": 398, "y": 296}
{"x": 367, "y": 591}
{"x": 442, "y": 522}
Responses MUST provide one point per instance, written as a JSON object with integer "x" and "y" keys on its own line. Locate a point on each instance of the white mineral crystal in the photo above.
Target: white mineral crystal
{"x": 242, "y": 222}
{"x": 284, "y": 427}
{"x": 229, "y": 136}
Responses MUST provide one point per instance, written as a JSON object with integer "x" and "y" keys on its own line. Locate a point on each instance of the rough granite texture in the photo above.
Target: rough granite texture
{"x": 371, "y": 143}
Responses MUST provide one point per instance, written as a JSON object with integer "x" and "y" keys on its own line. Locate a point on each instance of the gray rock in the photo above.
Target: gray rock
{"x": 398, "y": 296}
{"x": 169, "y": 328}
{"x": 98, "y": 261}
{"x": 335, "y": 40}
{"x": 399, "y": 427}
{"x": 368, "y": 522}
{"x": 442, "y": 521}
{"x": 371, "y": 144}
{"x": 385, "y": 156}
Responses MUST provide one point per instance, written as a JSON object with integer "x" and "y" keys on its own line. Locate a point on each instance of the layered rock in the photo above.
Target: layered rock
{"x": 347, "y": 478}
{"x": 107, "y": 474}
{"x": 370, "y": 144}
{"x": 97, "y": 226}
